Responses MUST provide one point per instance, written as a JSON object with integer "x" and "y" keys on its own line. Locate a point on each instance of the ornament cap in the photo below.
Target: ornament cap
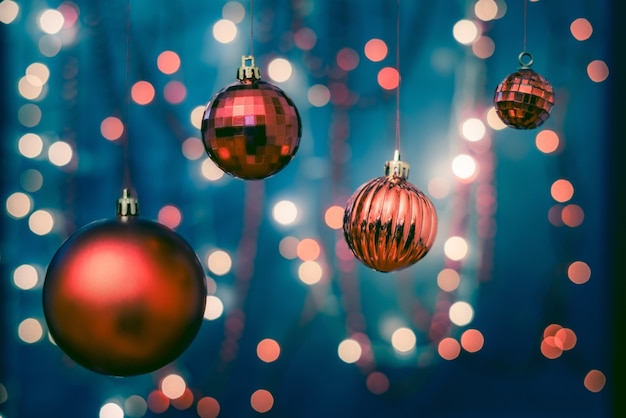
{"x": 248, "y": 73}
{"x": 396, "y": 167}
{"x": 525, "y": 60}
{"x": 127, "y": 205}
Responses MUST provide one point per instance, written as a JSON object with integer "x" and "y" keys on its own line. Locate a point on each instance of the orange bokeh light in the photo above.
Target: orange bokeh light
{"x": 142, "y": 92}
{"x": 597, "y": 71}
{"x": 449, "y": 348}
{"x": 377, "y": 383}
{"x": 581, "y": 29}
{"x": 547, "y": 141}
{"x": 562, "y": 190}
{"x": 334, "y": 217}
{"x": 388, "y": 78}
{"x": 112, "y": 128}
{"x": 472, "y": 340}
{"x": 262, "y": 400}
{"x": 572, "y": 215}
{"x": 376, "y": 50}
{"x": 595, "y": 381}
{"x": 208, "y": 407}
{"x": 308, "y": 249}
{"x": 549, "y": 348}
{"x": 184, "y": 401}
{"x": 170, "y": 216}
{"x": 565, "y": 339}
{"x": 551, "y": 330}
{"x": 168, "y": 62}
{"x": 268, "y": 350}
{"x": 579, "y": 272}
{"x": 158, "y": 402}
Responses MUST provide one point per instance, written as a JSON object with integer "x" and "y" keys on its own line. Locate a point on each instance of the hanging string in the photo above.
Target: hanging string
{"x": 251, "y": 28}
{"x": 525, "y": 7}
{"x": 127, "y": 184}
{"x": 398, "y": 70}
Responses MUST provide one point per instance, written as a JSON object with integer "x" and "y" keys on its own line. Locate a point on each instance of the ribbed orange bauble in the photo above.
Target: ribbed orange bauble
{"x": 389, "y": 224}
{"x": 124, "y": 296}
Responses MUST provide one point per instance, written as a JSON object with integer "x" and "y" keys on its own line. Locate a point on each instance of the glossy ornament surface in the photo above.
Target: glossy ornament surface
{"x": 524, "y": 99}
{"x": 389, "y": 224}
{"x": 124, "y": 296}
{"x": 251, "y": 129}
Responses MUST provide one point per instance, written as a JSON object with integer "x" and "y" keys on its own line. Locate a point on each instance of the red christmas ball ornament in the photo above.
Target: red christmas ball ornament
{"x": 524, "y": 99}
{"x": 124, "y": 296}
{"x": 251, "y": 129}
{"x": 389, "y": 224}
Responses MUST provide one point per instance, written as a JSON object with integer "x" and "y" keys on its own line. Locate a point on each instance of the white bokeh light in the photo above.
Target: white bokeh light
{"x": 214, "y": 308}
{"x": 41, "y": 222}
{"x": 310, "y": 272}
{"x": 30, "y": 330}
{"x": 455, "y": 248}
{"x": 461, "y": 313}
{"x": 210, "y": 170}
{"x": 466, "y": 31}
{"x": 349, "y": 350}
{"x": 19, "y": 205}
{"x": 219, "y": 262}
{"x": 60, "y": 153}
{"x": 8, "y": 11}
{"x": 25, "y": 277}
{"x": 279, "y": 70}
{"x": 233, "y": 11}
{"x": 111, "y": 410}
{"x": 224, "y": 31}
{"x": 51, "y": 21}
{"x": 30, "y": 145}
{"x": 173, "y": 386}
{"x": 403, "y": 339}
{"x": 464, "y": 167}
{"x": 473, "y": 129}
{"x": 285, "y": 212}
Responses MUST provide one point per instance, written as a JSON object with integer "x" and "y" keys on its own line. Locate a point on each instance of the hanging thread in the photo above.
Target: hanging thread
{"x": 525, "y": 7}
{"x": 127, "y": 184}
{"x": 251, "y": 27}
{"x": 398, "y": 70}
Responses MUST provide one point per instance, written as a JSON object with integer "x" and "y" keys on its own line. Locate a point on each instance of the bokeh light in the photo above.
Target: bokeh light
{"x": 486, "y": 10}
{"x": 30, "y": 330}
{"x": 465, "y": 31}
{"x": 388, "y": 78}
{"x": 547, "y": 141}
{"x": 18, "y": 205}
{"x": 175, "y": 92}
{"x": 60, "y": 153}
{"x": 484, "y": 47}
{"x": 196, "y": 116}
{"x": 193, "y": 149}
{"x": 25, "y": 277}
{"x": 142, "y": 92}
{"x": 376, "y": 50}
{"x": 49, "y": 45}
{"x": 438, "y": 187}
{"x": 347, "y": 59}
{"x": 135, "y": 406}
{"x": 213, "y": 308}
{"x": 208, "y": 407}
{"x": 448, "y": 280}
{"x": 38, "y": 71}
{"x": 318, "y": 95}
{"x": 233, "y": 11}
{"x": 41, "y": 222}
{"x": 268, "y": 350}
{"x": 158, "y": 402}
{"x": 464, "y": 167}
{"x": 377, "y": 383}
{"x": 461, "y": 313}
{"x": 579, "y": 272}
{"x": 224, "y": 31}
{"x": 279, "y": 70}
{"x": 594, "y": 381}
{"x": 581, "y": 29}
{"x": 173, "y": 386}
{"x": 494, "y": 121}
{"x": 473, "y": 129}
{"x": 334, "y": 217}
{"x": 549, "y": 348}
{"x": 572, "y": 215}
{"x": 112, "y": 128}
{"x": 288, "y": 247}
{"x": 261, "y": 401}
{"x": 170, "y": 216}
{"x": 305, "y": 39}
{"x": 29, "y": 87}
{"x": 51, "y": 21}
{"x": 455, "y": 248}
{"x": 168, "y": 62}
{"x": 472, "y": 340}
{"x": 403, "y": 340}
{"x": 310, "y": 272}
{"x": 308, "y": 249}
{"x": 210, "y": 170}
{"x": 8, "y": 11}
{"x": 349, "y": 351}
{"x": 285, "y": 212}
{"x": 184, "y": 401}
{"x": 448, "y": 348}
{"x": 598, "y": 71}
{"x": 219, "y": 262}
{"x": 565, "y": 339}
{"x": 29, "y": 115}
{"x": 31, "y": 180}
{"x": 562, "y": 190}
{"x": 111, "y": 410}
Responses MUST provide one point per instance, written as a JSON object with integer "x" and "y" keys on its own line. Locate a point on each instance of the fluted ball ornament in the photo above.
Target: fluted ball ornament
{"x": 124, "y": 296}
{"x": 524, "y": 99}
{"x": 389, "y": 224}
{"x": 251, "y": 129}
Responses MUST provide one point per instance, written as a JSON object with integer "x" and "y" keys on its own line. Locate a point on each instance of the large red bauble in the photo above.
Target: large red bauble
{"x": 251, "y": 129}
{"x": 124, "y": 297}
{"x": 389, "y": 224}
{"x": 524, "y": 99}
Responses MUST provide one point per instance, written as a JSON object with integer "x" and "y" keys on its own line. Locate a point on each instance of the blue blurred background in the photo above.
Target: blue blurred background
{"x": 295, "y": 327}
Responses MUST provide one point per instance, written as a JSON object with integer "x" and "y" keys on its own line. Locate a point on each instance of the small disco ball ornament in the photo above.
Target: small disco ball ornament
{"x": 124, "y": 296}
{"x": 389, "y": 224}
{"x": 524, "y": 99}
{"x": 251, "y": 129}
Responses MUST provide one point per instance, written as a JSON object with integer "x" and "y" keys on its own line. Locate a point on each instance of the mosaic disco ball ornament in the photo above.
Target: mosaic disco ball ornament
{"x": 124, "y": 296}
{"x": 251, "y": 129}
{"x": 524, "y": 99}
{"x": 389, "y": 224}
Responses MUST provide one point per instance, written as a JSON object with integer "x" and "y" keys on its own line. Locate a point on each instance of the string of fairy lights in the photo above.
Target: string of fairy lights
{"x": 465, "y": 246}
